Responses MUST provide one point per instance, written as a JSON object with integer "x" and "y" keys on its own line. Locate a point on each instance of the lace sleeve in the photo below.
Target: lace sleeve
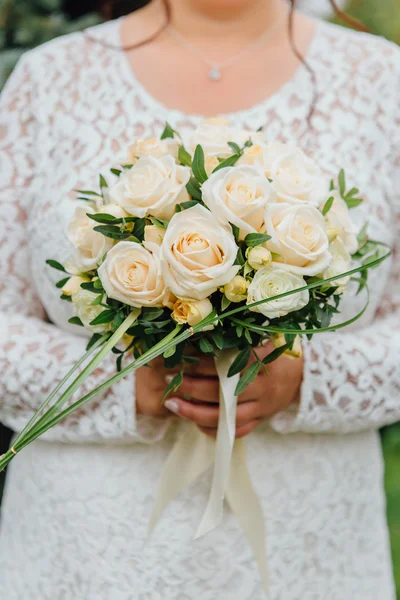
{"x": 35, "y": 355}
{"x": 351, "y": 381}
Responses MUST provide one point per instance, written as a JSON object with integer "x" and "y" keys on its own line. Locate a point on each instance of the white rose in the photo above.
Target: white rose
{"x": 154, "y": 234}
{"x": 214, "y": 134}
{"x": 191, "y": 311}
{"x": 238, "y": 195}
{"x": 84, "y": 309}
{"x": 258, "y": 257}
{"x": 131, "y": 273}
{"x": 152, "y": 147}
{"x": 272, "y": 281}
{"x": 340, "y": 264}
{"x": 298, "y": 235}
{"x": 263, "y": 155}
{"x": 339, "y": 224}
{"x": 153, "y": 186}
{"x": 198, "y": 254}
{"x": 73, "y": 285}
{"x": 90, "y": 245}
{"x": 298, "y": 179}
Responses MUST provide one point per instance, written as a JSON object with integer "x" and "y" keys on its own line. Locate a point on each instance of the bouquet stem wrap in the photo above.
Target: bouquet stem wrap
{"x": 195, "y": 452}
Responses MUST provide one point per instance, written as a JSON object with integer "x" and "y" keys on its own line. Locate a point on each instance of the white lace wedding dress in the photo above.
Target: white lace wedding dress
{"x": 77, "y": 503}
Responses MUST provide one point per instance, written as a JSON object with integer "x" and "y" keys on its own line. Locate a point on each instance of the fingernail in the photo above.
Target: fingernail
{"x": 172, "y": 405}
{"x": 169, "y": 378}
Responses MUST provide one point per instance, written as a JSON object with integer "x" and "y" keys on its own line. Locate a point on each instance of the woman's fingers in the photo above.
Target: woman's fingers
{"x": 240, "y": 431}
{"x": 207, "y": 416}
{"x": 205, "y": 389}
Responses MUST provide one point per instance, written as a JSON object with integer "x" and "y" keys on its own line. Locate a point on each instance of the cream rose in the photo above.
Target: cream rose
{"x": 90, "y": 245}
{"x": 131, "y": 273}
{"x": 197, "y": 254}
{"x": 263, "y": 155}
{"x": 236, "y": 290}
{"x": 339, "y": 224}
{"x": 73, "y": 285}
{"x": 214, "y": 134}
{"x": 191, "y": 311}
{"x": 272, "y": 281}
{"x": 341, "y": 260}
{"x": 153, "y": 186}
{"x": 154, "y": 234}
{"x": 298, "y": 235}
{"x": 298, "y": 179}
{"x": 238, "y": 195}
{"x": 84, "y": 309}
{"x": 152, "y": 147}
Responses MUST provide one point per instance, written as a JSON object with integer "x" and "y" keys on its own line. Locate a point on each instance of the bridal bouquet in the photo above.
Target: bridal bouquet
{"x": 216, "y": 244}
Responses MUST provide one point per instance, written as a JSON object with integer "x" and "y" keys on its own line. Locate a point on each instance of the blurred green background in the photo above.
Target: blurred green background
{"x": 27, "y": 23}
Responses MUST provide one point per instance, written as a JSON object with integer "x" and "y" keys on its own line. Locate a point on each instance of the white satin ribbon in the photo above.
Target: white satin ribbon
{"x": 195, "y": 452}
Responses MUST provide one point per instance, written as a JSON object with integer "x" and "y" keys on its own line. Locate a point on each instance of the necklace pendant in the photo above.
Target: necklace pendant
{"x": 214, "y": 74}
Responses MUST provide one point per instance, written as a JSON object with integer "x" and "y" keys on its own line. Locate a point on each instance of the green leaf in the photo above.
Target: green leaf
{"x": 362, "y": 235}
{"x": 184, "y": 157}
{"x": 103, "y": 218}
{"x": 103, "y": 182}
{"x": 168, "y": 132}
{"x": 218, "y": 338}
{"x": 138, "y": 229}
{"x": 104, "y": 317}
{"x": 189, "y": 204}
{"x": 193, "y": 189}
{"x": 174, "y": 384}
{"x": 248, "y": 143}
{"x": 248, "y": 377}
{"x": 170, "y": 352}
{"x": 256, "y": 239}
{"x": 240, "y": 362}
{"x": 151, "y": 314}
{"x": 95, "y": 337}
{"x": 198, "y": 165}
{"x": 89, "y": 285}
{"x": 62, "y": 282}
{"x": 235, "y": 231}
{"x": 225, "y": 303}
{"x": 206, "y": 346}
{"x": 116, "y": 172}
{"x": 97, "y": 284}
{"x": 235, "y": 147}
{"x": 88, "y": 193}
{"x": 75, "y": 321}
{"x": 327, "y": 205}
{"x": 352, "y": 193}
{"x": 65, "y": 297}
{"x": 191, "y": 360}
{"x": 97, "y": 300}
{"x": 158, "y": 222}
{"x": 331, "y": 185}
{"x": 228, "y": 162}
{"x": 248, "y": 337}
{"x": 119, "y": 362}
{"x": 275, "y": 354}
{"x": 113, "y": 232}
{"x": 55, "y": 265}
{"x": 85, "y": 199}
{"x": 353, "y": 202}
{"x": 240, "y": 260}
{"x": 118, "y": 319}
{"x": 342, "y": 182}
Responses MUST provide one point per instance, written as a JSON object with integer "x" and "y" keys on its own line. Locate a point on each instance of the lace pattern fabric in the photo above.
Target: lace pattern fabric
{"x": 68, "y": 112}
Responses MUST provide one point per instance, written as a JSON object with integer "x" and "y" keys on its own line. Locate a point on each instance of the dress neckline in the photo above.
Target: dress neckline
{"x": 300, "y": 79}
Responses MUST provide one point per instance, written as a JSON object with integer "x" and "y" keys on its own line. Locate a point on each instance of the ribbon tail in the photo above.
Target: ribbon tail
{"x": 192, "y": 454}
{"x": 224, "y": 445}
{"x": 245, "y": 504}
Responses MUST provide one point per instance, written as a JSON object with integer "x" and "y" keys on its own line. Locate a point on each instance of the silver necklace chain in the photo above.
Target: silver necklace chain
{"x": 215, "y": 69}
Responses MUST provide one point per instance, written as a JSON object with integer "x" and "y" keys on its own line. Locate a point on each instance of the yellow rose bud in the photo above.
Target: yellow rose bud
{"x": 210, "y": 163}
{"x": 154, "y": 234}
{"x": 278, "y": 340}
{"x": 73, "y": 285}
{"x": 191, "y": 311}
{"x": 236, "y": 290}
{"x": 258, "y": 257}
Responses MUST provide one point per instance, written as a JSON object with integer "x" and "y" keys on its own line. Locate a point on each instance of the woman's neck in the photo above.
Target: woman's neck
{"x": 237, "y": 20}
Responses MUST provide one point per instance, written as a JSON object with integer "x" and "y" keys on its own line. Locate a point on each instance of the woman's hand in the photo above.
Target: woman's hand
{"x": 198, "y": 397}
{"x": 150, "y": 388}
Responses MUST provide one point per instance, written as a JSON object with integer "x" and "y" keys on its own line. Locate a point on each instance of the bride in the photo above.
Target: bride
{"x": 77, "y": 503}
